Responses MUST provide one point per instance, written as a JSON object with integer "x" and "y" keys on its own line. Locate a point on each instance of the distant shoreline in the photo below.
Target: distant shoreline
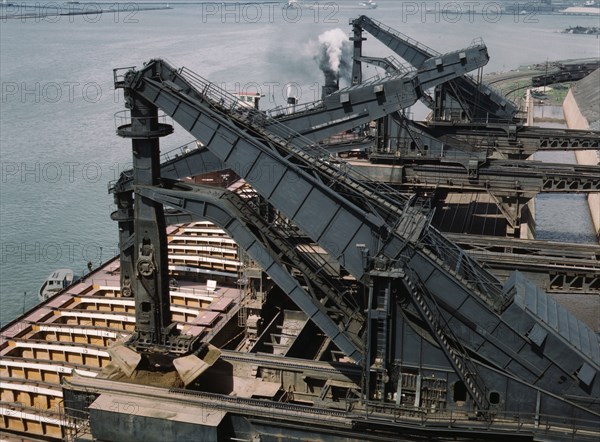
{"x": 35, "y": 11}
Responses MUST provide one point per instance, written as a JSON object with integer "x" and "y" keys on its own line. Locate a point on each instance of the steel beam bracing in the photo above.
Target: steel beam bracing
{"x": 477, "y": 99}
{"x": 366, "y": 230}
{"x": 529, "y": 247}
{"x": 392, "y": 66}
{"x": 512, "y": 141}
{"x": 389, "y": 64}
{"x": 461, "y": 143}
{"x": 456, "y": 142}
{"x": 501, "y": 177}
{"x": 230, "y": 212}
{"x": 448, "y": 143}
{"x": 353, "y": 260}
{"x": 340, "y": 111}
{"x": 190, "y": 160}
{"x": 570, "y": 268}
{"x": 510, "y": 183}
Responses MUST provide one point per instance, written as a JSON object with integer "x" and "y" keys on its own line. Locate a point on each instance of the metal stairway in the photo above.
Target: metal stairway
{"x": 277, "y": 239}
{"x": 382, "y": 331}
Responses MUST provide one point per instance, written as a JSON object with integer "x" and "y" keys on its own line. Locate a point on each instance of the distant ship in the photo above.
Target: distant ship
{"x": 369, "y": 4}
{"x": 300, "y": 4}
{"x": 587, "y": 30}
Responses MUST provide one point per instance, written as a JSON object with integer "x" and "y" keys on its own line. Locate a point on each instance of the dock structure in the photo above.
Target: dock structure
{"x": 312, "y": 294}
{"x": 582, "y": 111}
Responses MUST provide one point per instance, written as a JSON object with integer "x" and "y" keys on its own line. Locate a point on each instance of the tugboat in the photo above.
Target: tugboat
{"x": 57, "y": 281}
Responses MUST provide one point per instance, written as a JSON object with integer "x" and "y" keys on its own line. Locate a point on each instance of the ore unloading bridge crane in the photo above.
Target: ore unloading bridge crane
{"x": 487, "y": 153}
{"x": 477, "y": 100}
{"x": 511, "y": 346}
{"x": 147, "y": 278}
{"x": 375, "y": 98}
{"x": 489, "y": 125}
{"x": 483, "y": 151}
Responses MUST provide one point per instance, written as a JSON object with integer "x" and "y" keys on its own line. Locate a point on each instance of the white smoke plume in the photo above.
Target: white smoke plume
{"x": 335, "y": 54}
{"x": 331, "y": 44}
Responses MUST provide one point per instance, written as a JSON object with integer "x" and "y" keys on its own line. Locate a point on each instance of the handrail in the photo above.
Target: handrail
{"x": 281, "y": 112}
{"x": 311, "y": 263}
{"x": 123, "y": 118}
{"x": 183, "y": 149}
{"x": 459, "y": 262}
{"x": 302, "y": 146}
{"x": 426, "y": 50}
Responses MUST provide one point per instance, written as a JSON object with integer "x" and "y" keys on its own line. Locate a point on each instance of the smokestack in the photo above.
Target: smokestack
{"x": 335, "y": 53}
{"x": 332, "y": 83}
{"x": 291, "y": 101}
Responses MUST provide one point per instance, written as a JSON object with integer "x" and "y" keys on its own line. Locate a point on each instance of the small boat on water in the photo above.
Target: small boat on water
{"x": 369, "y": 4}
{"x": 300, "y": 4}
{"x": 581, "y": 30}
{"x": 57, "y": 281}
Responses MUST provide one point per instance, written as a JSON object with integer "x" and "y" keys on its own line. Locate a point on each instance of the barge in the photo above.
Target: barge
{"x": 339, "y": 311}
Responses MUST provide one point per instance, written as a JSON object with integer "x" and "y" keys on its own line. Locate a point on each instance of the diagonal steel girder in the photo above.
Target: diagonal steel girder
{"x": 214, "y": 205}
